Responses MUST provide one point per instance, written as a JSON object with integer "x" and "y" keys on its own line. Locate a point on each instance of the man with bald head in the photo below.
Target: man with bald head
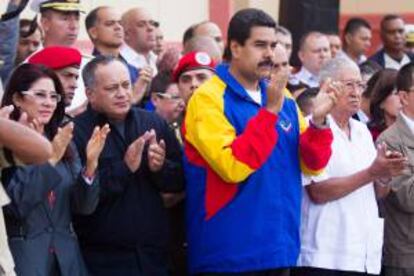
{"x": 204, "y": 43}
{"x": 208, "y": 28}
{"x": 284, "y": 37}
{"x": 140, "y": 39}
{"x": 314, "y": 52}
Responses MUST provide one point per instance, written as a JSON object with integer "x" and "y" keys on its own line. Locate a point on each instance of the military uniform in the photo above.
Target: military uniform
{"x": 67, "y": 6}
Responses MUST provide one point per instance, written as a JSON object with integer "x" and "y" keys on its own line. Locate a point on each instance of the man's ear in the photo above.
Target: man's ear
{"x": 93, "y": 33}
{"x": 44, "y": 24}
{"x": 90, "y": 94}
{"x": 403, "y": 97}
{"x": 126, "y": 33}
{"x": 347, "y": 39}
{"x": 300, "y": 56}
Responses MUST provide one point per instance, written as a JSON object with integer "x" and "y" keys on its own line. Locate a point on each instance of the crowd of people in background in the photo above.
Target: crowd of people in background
{"x": 215, "y": 158}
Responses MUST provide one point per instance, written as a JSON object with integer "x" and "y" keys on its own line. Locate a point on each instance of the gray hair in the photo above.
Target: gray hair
{"x": 88, "y": 72}
{"x": 335, "y": 66}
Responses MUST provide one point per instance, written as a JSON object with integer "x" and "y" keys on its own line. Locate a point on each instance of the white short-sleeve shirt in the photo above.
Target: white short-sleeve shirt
{"x": 344, "y": 234}
{"x": 306, "y": 77}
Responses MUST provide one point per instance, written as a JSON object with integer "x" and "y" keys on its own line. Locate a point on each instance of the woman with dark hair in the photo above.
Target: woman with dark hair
{"x": 165, "y": 97}
{"x": 43, "y": 197}
{"x": 385, "y": 103}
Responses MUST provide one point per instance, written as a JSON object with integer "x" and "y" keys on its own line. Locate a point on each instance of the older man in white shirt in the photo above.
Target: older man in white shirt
{"x": 341, "y": 231}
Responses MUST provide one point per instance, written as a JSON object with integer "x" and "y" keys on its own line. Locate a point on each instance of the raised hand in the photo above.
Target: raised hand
{"x": 277, "y": 83}
{"x": 326, "y": 100}
{"x": 60, "y": 143}
{"x": 387, "y": 163}
{"x": 156, "y": 153}
{"x": 133, "y": 155}
{"x": 94, "y": 148}
{"x": 140, "y": 86}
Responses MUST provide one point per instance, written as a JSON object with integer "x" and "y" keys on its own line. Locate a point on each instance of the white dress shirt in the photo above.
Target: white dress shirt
{"x": 344, "y": 234}
{"x": 138, "y": 60}
{"x": 394, "y": 64}
{"x": 305, "y": 77}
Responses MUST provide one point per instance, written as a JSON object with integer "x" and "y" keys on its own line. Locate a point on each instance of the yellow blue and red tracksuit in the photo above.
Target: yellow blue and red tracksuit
{"x": 243, "y": 167}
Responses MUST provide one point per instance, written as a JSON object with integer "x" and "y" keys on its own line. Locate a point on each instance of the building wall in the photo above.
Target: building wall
{"x": 376, "y": 7}
{"x": 175, "y": 16}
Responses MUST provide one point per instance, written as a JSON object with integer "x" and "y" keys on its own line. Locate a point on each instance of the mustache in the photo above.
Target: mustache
{"x": 267, "y": 63}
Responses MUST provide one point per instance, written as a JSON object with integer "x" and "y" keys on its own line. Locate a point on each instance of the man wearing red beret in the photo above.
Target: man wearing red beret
{"x": 60, "y": 22}
{"x": 65, "y": 61}
{"x": 192, "y": 70}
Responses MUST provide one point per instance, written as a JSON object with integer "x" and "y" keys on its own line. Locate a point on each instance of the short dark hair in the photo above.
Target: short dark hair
{"x": 88, "y": 72}
{"x": 386, "y": 18}
{"x": 91, "y": 18}
{"x": 24, "y": 23}
{"x": 188, "y": 34}
{"x": 405, "y": 77}
{"x": 161, "y": 82}
{"x": 354, "y": 24}
{"x": 241, "y": 24}
{"x": 22, "y": 78}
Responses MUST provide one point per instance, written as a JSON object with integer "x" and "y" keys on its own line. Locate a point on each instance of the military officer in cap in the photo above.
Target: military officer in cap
{"x": 65, "y": 61}
{"x": 60, "y": 22}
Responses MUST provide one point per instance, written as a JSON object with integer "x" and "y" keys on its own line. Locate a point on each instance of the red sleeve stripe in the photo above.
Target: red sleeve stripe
{"x": 315, "y": 147}
{"x": 258, "y": 140}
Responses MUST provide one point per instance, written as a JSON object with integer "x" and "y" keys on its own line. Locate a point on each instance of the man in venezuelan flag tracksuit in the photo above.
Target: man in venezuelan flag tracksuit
{"x": 246, "y": 145}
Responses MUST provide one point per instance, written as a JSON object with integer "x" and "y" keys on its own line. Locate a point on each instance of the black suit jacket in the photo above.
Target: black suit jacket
{"x": 128, "y": 232}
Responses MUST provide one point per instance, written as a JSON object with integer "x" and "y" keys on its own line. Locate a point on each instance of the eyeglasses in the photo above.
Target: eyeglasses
{"x": 350, "y": 85}
{"x": 168, "y": 96}
{"x": 42, "y": 95}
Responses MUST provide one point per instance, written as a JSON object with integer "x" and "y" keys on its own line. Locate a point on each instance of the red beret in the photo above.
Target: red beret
{"x": 57, "y": 57}
{"x": 192, "y": 61}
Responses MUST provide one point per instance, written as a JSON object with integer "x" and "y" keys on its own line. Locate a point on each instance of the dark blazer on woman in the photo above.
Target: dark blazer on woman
{"x": 38, "y": 220}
